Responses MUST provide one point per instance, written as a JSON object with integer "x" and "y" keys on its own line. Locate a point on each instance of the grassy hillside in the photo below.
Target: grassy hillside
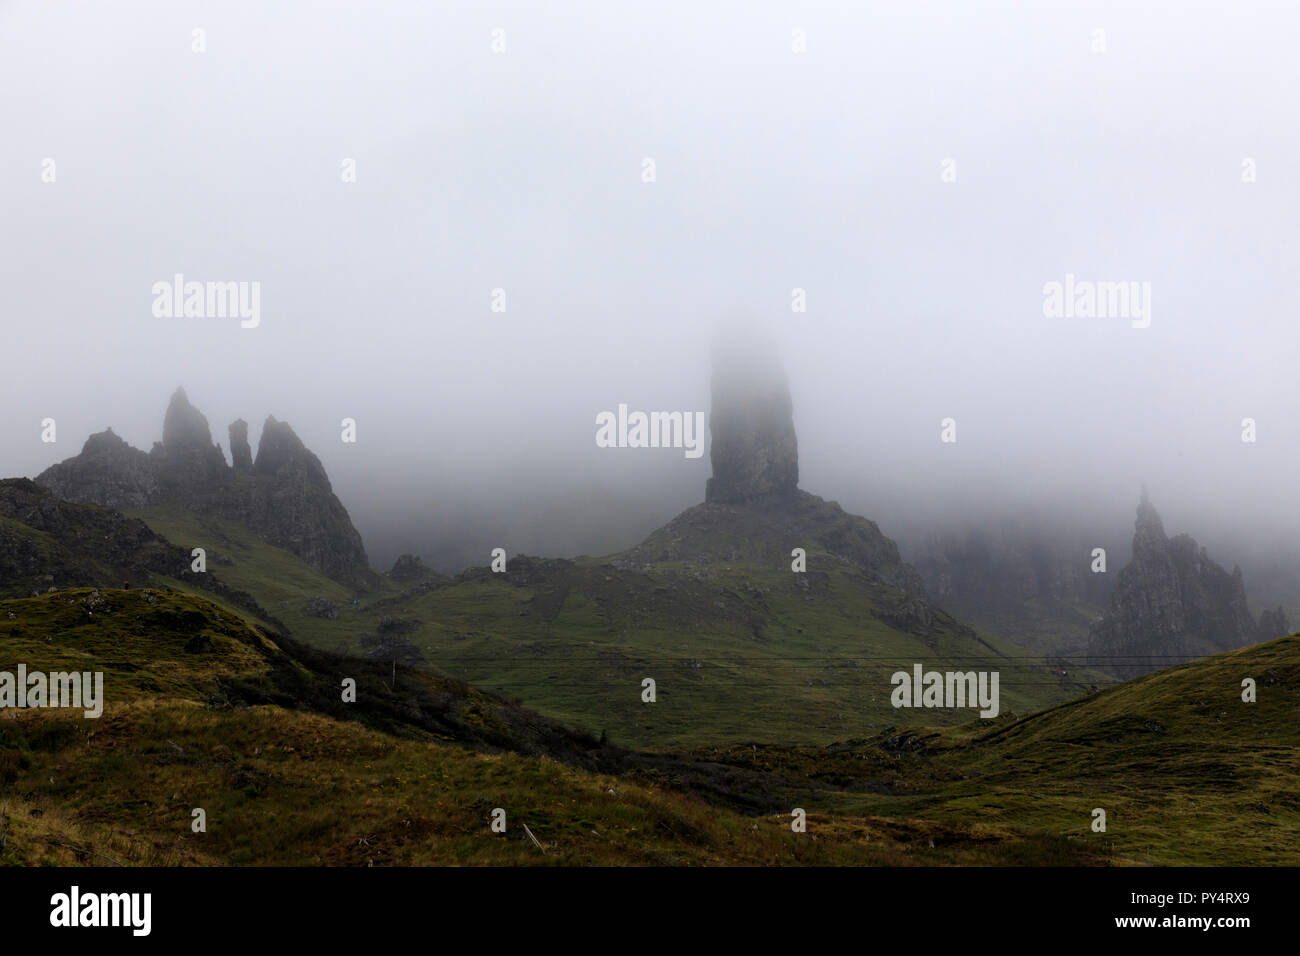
{"x": 283, "y": 582}
{"x": 1186, "y": 771}
{"x": 740, "y": 647}
{"x": 205, "y": 711}
{"x": 47, "y": 544}
{"x": 749, "y": 655}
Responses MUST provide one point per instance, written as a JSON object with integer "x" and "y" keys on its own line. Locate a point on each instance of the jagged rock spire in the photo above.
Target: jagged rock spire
{"x": 1148, "y": 529}
{"x": 280, "y": 451}
{"x": 1172, "y": 603}
{"x": 754, "y": 452}
{"x": 184, "y": 426}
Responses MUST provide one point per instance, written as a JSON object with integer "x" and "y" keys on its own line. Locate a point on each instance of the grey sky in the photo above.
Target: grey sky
{"x": 775, "y": 170}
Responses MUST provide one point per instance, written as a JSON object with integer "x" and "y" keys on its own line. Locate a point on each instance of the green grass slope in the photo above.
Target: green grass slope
{"x": 283, "y": 582}
{"x": 740, "y": 647}
{"x": 204, "y": 711}
{"x": 1186, "y": 770}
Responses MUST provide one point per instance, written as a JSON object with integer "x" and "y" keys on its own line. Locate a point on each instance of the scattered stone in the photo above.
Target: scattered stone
{"x": 409, "y": 568}
{"x": 322, "y": 608}
{"x": 199, "y": 644}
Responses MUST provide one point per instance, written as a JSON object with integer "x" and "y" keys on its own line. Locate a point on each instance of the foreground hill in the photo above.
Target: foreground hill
{"x": 47, "y": 544}
{"x": 204, "y": 711}
{"x": 1187, "y": 771}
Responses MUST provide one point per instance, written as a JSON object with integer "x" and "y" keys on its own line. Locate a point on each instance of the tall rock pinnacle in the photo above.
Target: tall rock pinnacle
{"x": 754, "y": 452}
{"x": 241, "y": 455}
{"x": 184, "y": 426}
{"x": 186, "y": 449}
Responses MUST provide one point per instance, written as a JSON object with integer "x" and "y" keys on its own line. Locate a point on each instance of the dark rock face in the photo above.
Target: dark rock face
{"x": 1171, "y": 604}
{"x": 753, "y": 450}
{"x": 284, "y": 496}
{"x": 289, "y": 501}
{"x": 49, "y": 543}
{"x": 187, "y": 461}
{"x": 322, "y": 608}
{"x": 388, "y": 644}
{"x": 1028, "y": 580}
{"x": 184, "y": 426}
{"x": 281, "y": 454}
{"x": 108, "y": 471}
{"x": 241, "y": 456}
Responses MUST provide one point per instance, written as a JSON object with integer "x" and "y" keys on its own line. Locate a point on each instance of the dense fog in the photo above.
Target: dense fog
{"x": 474, "y": 230}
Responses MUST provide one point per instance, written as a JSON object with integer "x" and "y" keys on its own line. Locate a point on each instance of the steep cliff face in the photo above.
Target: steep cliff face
{"x": 1029, "y": 579}
{"x": 1172, "y": 604}
{"x": 289, "y": 501}
{"x": 284, "y": 496}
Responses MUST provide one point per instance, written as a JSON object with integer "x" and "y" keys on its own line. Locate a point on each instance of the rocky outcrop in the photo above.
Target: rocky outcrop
{"x": 108, "y": 472}
{"x": 284, "y": 495}
{"x": 753, "y": 449}
{"x": 409, "y": 569}
{"x": 289, "y": 502}
{"x": 1171, "y": 604}
{"x": 49, "y": 544}
{"x": 281, "y": 454}
{"x": 754, "y": 513}
{"x": 322, "y": 608}
{"x": 711, "y": 536}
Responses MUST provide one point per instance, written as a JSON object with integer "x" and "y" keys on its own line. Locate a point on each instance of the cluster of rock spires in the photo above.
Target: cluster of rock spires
{"x": 283, "y": 494}
{"x": 1173, "y": 604}
{"x": 1169, "y": 605}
